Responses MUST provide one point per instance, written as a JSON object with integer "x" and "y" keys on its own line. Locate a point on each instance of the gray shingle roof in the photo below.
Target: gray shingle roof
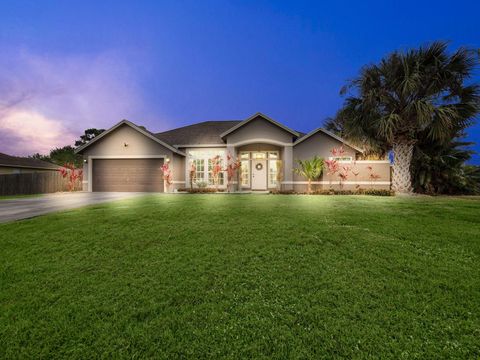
{"x": 15, "y": 161}
{"x": 207, "y": 132}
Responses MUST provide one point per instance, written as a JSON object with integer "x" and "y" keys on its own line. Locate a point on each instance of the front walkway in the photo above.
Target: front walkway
{"x": 24, "y": 208}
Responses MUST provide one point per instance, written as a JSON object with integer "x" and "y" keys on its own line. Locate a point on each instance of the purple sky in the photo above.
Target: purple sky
{"x": 67, "y": 66}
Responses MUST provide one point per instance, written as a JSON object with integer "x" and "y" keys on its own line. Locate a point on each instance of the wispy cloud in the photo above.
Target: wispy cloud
{"x": 47, "y": 101}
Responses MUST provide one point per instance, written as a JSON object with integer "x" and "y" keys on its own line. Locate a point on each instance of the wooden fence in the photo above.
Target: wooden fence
{"x": 34, "y": 183}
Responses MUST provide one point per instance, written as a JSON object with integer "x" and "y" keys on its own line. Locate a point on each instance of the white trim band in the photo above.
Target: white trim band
{"x": 336, "y": 182}
{"x": 260, "y": 140}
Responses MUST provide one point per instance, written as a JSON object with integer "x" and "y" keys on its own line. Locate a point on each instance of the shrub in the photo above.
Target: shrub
{"x": 204, "y": 190}
{"x": 374, "y": 192}
{"x": 201, "y": 184}
{"x": 282, "y": 192}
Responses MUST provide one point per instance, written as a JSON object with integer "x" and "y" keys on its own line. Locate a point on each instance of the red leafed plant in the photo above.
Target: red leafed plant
{"x": 343, "y": 175}
{"x": 69, "y": 172}
{"x": 373, "y": 176}
{"x": 216, "y": 162}
{"x": 232, "y": 166}
{"x": 355, "y": 173}
{"x": 193, "y": 174}
{"x": 338, "y": 152}
{"x": 167, "y": 174}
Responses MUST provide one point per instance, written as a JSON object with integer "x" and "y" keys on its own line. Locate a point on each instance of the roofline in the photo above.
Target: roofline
{"x": 326, "y": 132}
{"x": 30, "y": 167}
{"x": 244, "y": 122}
{"x": 133, "y": 126}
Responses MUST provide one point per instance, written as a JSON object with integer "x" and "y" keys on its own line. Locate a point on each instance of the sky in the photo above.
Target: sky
{"x": 66, "y": 66}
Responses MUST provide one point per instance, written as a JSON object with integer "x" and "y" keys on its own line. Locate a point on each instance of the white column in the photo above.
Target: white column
{"x": 232, "y": 151}
{"x": 287, "y": 168}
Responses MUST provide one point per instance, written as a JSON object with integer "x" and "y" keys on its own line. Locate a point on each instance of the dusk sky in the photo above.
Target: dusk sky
{"x": 69, "y": 65}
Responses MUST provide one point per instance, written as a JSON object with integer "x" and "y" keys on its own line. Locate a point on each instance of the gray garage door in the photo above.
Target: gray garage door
{"x": 127, "y": 175}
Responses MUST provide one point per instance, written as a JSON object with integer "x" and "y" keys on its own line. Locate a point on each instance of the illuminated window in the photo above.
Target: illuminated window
{"x": 259, "y": 155}
{"x": 210, "y": 173}
{"x": 202, "y": 159}
{"x": 245, "y": 173}
{"x": 244, "y": 155}
{"x": 273, "y": 155}
{"x": 272, "y": 173}
{"x": 340, "y": 158}
{"x": 199, "y": 169}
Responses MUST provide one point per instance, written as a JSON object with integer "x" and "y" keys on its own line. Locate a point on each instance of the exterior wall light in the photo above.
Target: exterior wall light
{"x": 85, "y": 161}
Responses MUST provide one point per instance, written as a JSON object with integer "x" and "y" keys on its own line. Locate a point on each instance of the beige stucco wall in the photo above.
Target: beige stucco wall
{"x": 363, "y": 180}
{"x": 138, "y": 144}
{"x": 259, "y": 128}
{"x": 320, "y": 144}
{"x": 258, "y": 147}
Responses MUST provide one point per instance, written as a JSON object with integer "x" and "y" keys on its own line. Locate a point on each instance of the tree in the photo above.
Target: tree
{"x": 88, "y": 136}
{"x": 439, "y": 168}
{"x": 310, "y": 169}
{"x": 408, "y": 94}
{"x": 64, "y": 155}
{"x": 39, "y": 156}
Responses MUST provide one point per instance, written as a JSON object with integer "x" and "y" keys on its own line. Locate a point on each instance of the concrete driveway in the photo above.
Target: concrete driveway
{"x": 24, "y": 208}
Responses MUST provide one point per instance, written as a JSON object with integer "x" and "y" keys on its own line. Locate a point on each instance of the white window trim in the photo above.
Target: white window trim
{"x": 206, "y": 159}
{"x": 266, "y": 159}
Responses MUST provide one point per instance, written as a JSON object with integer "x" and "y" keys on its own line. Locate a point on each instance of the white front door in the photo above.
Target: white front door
{"x": 259, "y": 174}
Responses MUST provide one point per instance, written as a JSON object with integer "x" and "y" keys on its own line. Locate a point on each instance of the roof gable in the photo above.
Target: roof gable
{"x": 24, "y": 162}
{"x": 203, "y": 133}
{"x": 255, "y": 116}
{"x": 326, "y": 132}
{"x": 135, "y": 127}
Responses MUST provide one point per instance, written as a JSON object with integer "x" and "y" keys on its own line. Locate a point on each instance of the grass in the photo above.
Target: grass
{"x": 202, "y": 276}
{"x": 10, "y": 197}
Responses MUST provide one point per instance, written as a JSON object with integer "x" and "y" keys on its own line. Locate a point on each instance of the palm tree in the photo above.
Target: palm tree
{"x": 310, "y": 169}
{"x": 418, "y": 91}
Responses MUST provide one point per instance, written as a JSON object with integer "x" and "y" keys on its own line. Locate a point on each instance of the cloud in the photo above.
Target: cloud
{"x": 47, "y": 101}
{"x": 27, "y": 132}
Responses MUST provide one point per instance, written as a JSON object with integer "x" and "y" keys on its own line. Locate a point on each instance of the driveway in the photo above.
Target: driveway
{"x": 24, "y": 208}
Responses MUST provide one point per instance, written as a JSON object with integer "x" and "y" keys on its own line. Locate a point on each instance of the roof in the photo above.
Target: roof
{"x": 311, "y": 133}
{"x": 140, "y": 129}
{"x": 207, "y": 132}
{"x": 253, "y": 117}
{"x": 24, "y": 162}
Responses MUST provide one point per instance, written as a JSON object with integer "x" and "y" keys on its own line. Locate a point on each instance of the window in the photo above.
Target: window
{"x": 244, "y": 155}
{"x": 202, "y": 159}
{"x": 272, "y": 173}
{"x": 210, "y": 173}
{"x": 245, "y": 173}
{"x": 340, "y": 158}
{"x": 273, "y": 155}
{"x": 200, "y": 169}
{"x": 259, "y": 155}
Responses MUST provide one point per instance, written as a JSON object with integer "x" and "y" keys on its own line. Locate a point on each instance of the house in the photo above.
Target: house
{"x": 128, "y": 157}
{"x": 20, "y": 165}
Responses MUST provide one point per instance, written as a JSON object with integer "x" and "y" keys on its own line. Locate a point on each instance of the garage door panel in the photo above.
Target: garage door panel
{"x": 127, "y": 175}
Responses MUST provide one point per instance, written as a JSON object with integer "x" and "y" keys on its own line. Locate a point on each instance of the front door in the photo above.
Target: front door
{"x": 259, "y": 174}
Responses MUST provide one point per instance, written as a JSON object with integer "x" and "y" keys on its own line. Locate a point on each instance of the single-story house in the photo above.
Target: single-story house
{"x": 21, "y": 165}
{"x": 128, "y": 157}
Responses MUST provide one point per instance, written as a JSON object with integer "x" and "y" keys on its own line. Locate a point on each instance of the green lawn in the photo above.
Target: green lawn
{"x": 10, "y": 197}
{"x": 244, "y": 276}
